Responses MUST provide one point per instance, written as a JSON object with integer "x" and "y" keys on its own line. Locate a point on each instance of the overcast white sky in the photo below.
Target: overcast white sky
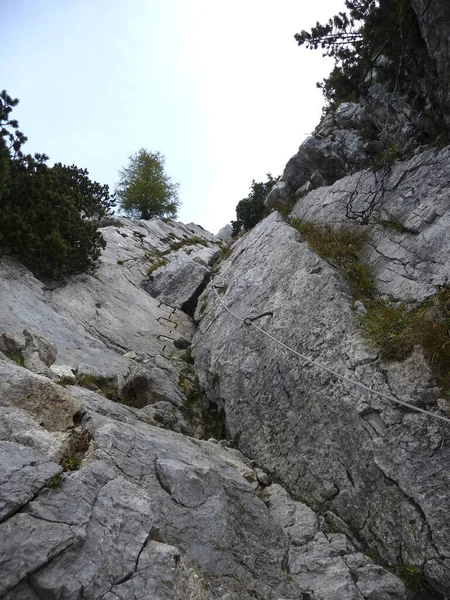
{"x": 220, "y": 88}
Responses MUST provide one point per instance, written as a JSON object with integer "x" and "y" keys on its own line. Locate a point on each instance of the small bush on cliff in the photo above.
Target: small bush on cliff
{"x": 250, "y": 210}
{"x": 49, "y": 214}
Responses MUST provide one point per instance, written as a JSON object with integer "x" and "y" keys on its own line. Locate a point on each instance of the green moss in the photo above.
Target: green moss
{"x": 190, "y": 241}
{"x": 187, "y": 355}
{"x": 156, "y": 265}
{"x": 120, "y": 262}
{"x": 341, "y": 247}
{"x": 55, "y": 481}
{"x": 17, "y": 358}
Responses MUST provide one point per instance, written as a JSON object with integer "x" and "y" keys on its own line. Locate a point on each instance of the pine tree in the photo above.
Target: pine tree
{"x": 49, "y": 215}
{"x": 144, "y": 189}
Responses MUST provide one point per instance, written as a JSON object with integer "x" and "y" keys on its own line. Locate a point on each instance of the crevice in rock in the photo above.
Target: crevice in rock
{"x": 190, "y": 305}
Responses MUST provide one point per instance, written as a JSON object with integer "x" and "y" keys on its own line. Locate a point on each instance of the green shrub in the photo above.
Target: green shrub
{"x": 250, "y": 210}
{"x": 49, "y": 214}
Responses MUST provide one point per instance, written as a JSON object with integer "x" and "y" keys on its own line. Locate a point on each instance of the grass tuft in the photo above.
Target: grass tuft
{"x": 17, "y": 358}
{"x": 203, "y": 303}
{"x": 156, "y": 265}
{"x": 341, "y": 247}
{"x": 396, "y": 328}
{"x": 187, "y": 355}
{"x": 190, "y": 241}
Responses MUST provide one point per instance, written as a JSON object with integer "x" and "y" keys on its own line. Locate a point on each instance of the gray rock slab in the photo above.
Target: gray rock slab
{"x": 18, "y": 425}
{"x": 149, "y": 384}
{"x": 177, "y": 282}
{"x": 23, "y": 472}
{"x": 327, "y": 565}
{"x": 73, "y": 499}
{"x": 51, "y": 404}
{"x": 408, "y": 210}
{"x": 161, "y": 574}
{"x": 328, "y": 442}
{"x": 95, "y": 319}
{"x": 26, "y": 543}
{"x": 118, "y": 527}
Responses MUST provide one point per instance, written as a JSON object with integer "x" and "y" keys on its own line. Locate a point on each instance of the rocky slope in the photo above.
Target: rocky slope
{"x": 377, "y": 470}
{"x": 361, "y": 460}
{"x": 267, "y": 474}
{"x": 104, "y": 491}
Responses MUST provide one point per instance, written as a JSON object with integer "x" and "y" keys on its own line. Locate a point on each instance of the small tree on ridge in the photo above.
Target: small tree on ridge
{"x": 144, "y": 189}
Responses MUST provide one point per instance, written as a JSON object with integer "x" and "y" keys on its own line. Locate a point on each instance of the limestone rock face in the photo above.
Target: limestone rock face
{"x": 407, "y": 209}
{"x": 96, "y": 319}
{"x": 379, "y": 468}
{"x": 107, "y": 491}
{"x": 329, "y": 154}
{"x": 103, "y": 499}
{"x": 226, "y": 234}
{"x": 148, "y": 513}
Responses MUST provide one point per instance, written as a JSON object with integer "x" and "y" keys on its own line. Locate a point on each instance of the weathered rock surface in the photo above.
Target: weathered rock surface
{"x": 226, "y": 233}
{"x": 151, "y": 514}
{"x": 379, "y": 468}
{"x": 95, "y": 319}
{"x": 176, "y": 282}
{"x": 408, "y": 210}
{"x": 328, "y": 155}
{"x": 119, "y": 501}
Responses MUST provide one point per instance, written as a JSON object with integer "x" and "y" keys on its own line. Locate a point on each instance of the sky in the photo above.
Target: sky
{"x": 220, "y": 88}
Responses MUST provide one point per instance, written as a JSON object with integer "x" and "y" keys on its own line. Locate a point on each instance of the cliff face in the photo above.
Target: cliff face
{"x": 106, "y": 489}
{"x": 147, "y": 452}
{"x": 378, "y": 470}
